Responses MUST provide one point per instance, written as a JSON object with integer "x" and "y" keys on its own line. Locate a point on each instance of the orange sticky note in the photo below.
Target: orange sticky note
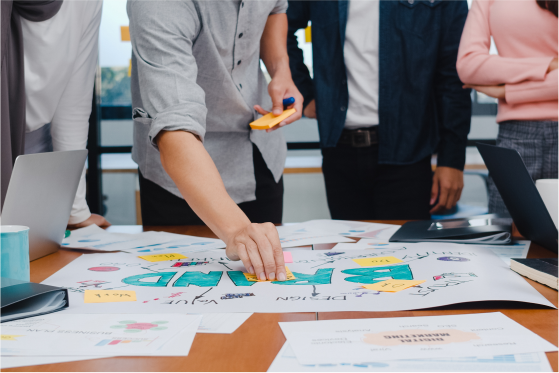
{"x": 124, "y": 33}
{"x": 393, "y": 286}
{"x": 377, "y": 261}
{"x": 254, "y": 278}
{"x": 269, "y": 120}
{"x": 162, "y": 257}
{"x": 109, "y": 296}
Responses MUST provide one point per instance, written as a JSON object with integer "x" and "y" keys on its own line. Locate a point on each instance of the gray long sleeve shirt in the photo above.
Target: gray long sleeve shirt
{"x": 196, "y": 68}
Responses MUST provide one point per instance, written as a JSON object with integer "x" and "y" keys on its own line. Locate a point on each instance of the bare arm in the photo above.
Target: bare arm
{"x": 190, "y": 166}
{"x": 273, "y": 51}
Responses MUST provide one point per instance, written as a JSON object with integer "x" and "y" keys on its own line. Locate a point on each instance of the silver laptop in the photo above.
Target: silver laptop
{"x": 40, "y": 196}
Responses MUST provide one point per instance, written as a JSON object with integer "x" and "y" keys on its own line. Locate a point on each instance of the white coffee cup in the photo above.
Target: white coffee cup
{"x": 548, "y": 189}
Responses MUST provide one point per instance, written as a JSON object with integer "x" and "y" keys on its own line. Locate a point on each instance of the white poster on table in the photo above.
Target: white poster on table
{"x": 381, "y": 339}
{"x": 179, "y": 244}
{"x": 94, "y": 238}
{"x": 210, "y": 282}
{"x": 131, "y": 334}
{"x": 286, "y": 361}
{"x": 291, "y": 234}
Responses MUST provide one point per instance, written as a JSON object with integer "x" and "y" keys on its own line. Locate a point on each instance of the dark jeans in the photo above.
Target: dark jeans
{"x": 359, "y": 188}
{"x": 161, "y": 207}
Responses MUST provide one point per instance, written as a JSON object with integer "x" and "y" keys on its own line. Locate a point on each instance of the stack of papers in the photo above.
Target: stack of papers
{"x": 432, "y": 337}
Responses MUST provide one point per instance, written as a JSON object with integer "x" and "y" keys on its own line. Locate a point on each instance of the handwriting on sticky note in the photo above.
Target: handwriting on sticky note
{"x": 254, "y": 278}
{"x": 270, "y": 120}
{"x": 162, "y": 257}
{"x": 393, "y": 286}
{"x": 377, "y": 261}
{"x": 287, "y": 257}
{"x": 109, "y": 296}
{"x": 6, "y": 337}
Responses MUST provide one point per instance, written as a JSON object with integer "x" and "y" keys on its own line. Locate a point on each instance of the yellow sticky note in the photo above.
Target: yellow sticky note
{"x": 109, "y": 296}
{"x": 6, "y": 337}
{"x": 253, "y": 278}
{"x": 162, "y": 257}
{"x": 377, "y": 261}
{"x": 124, "y": 33}
{"x": 393, "y": 286}
{"x": 269, "y": 120}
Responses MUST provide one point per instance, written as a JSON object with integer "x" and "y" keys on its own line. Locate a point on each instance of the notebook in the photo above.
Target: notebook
{"x": 543, "y": 271}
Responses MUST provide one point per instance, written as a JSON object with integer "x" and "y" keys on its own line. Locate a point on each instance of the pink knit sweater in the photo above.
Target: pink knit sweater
{"x": 526, "y": 38}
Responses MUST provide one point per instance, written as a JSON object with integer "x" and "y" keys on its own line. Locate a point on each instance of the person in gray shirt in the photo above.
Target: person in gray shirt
{"x": 196, "y": 85}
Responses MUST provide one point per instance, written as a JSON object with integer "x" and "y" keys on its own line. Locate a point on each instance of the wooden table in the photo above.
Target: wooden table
{"x": 256, "y": 343}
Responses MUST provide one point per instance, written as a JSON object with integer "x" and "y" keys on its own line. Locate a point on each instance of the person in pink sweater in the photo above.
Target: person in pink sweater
{"x": 523, "y": 77}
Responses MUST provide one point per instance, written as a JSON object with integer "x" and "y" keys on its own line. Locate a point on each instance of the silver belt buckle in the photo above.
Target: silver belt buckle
{"x": 361, "y": 139}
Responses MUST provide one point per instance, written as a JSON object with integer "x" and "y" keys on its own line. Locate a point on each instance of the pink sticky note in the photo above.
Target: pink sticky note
{"x": 287, "y": 257}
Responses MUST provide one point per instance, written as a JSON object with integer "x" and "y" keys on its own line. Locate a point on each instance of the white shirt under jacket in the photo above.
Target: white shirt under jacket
{"x": 361, "y": 48}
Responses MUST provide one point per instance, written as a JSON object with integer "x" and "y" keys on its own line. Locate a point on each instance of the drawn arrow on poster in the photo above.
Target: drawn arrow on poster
{"x": 314, "y": 293}
{"x": 225, "y": 266}
{"x": 323, "y": 264}
{"x": 148, "y": 269}
{"x": 201, "y": 295}
{"x": 411, "y": 260}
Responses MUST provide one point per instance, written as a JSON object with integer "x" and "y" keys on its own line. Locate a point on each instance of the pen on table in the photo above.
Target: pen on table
{"x": 288, "y": 101}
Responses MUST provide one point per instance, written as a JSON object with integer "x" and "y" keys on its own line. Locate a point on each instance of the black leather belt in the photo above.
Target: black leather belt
{"x": 359, "y": 138}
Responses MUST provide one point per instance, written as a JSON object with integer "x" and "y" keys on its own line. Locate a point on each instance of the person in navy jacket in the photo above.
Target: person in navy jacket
{"x": 387, "y": 96}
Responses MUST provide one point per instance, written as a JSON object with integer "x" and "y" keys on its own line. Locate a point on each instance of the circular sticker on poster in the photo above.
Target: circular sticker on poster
{"x": 104, "y": 269}
{"x": 453, "y": 259}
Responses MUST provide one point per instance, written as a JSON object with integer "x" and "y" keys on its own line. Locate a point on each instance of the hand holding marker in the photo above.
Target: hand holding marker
{"x": 270, "y": 120}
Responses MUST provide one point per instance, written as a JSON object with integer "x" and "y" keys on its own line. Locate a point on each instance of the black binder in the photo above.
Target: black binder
{"x": 482, "y": 229}
{"x": 21, "y": 299}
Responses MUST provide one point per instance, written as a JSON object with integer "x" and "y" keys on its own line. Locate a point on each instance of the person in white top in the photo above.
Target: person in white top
{"x": 60, "y": 57}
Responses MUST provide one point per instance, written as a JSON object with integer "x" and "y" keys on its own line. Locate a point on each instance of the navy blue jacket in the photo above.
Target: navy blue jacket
{"x": 422, "y": 107}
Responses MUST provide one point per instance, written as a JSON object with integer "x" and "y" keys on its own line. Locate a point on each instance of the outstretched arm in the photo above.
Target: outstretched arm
{"x": 190, "y": 166}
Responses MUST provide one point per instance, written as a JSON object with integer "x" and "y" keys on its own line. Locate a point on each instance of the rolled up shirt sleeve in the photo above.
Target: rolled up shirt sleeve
{"x": 281, "y": 7}
{"x": 162, "y": 37}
